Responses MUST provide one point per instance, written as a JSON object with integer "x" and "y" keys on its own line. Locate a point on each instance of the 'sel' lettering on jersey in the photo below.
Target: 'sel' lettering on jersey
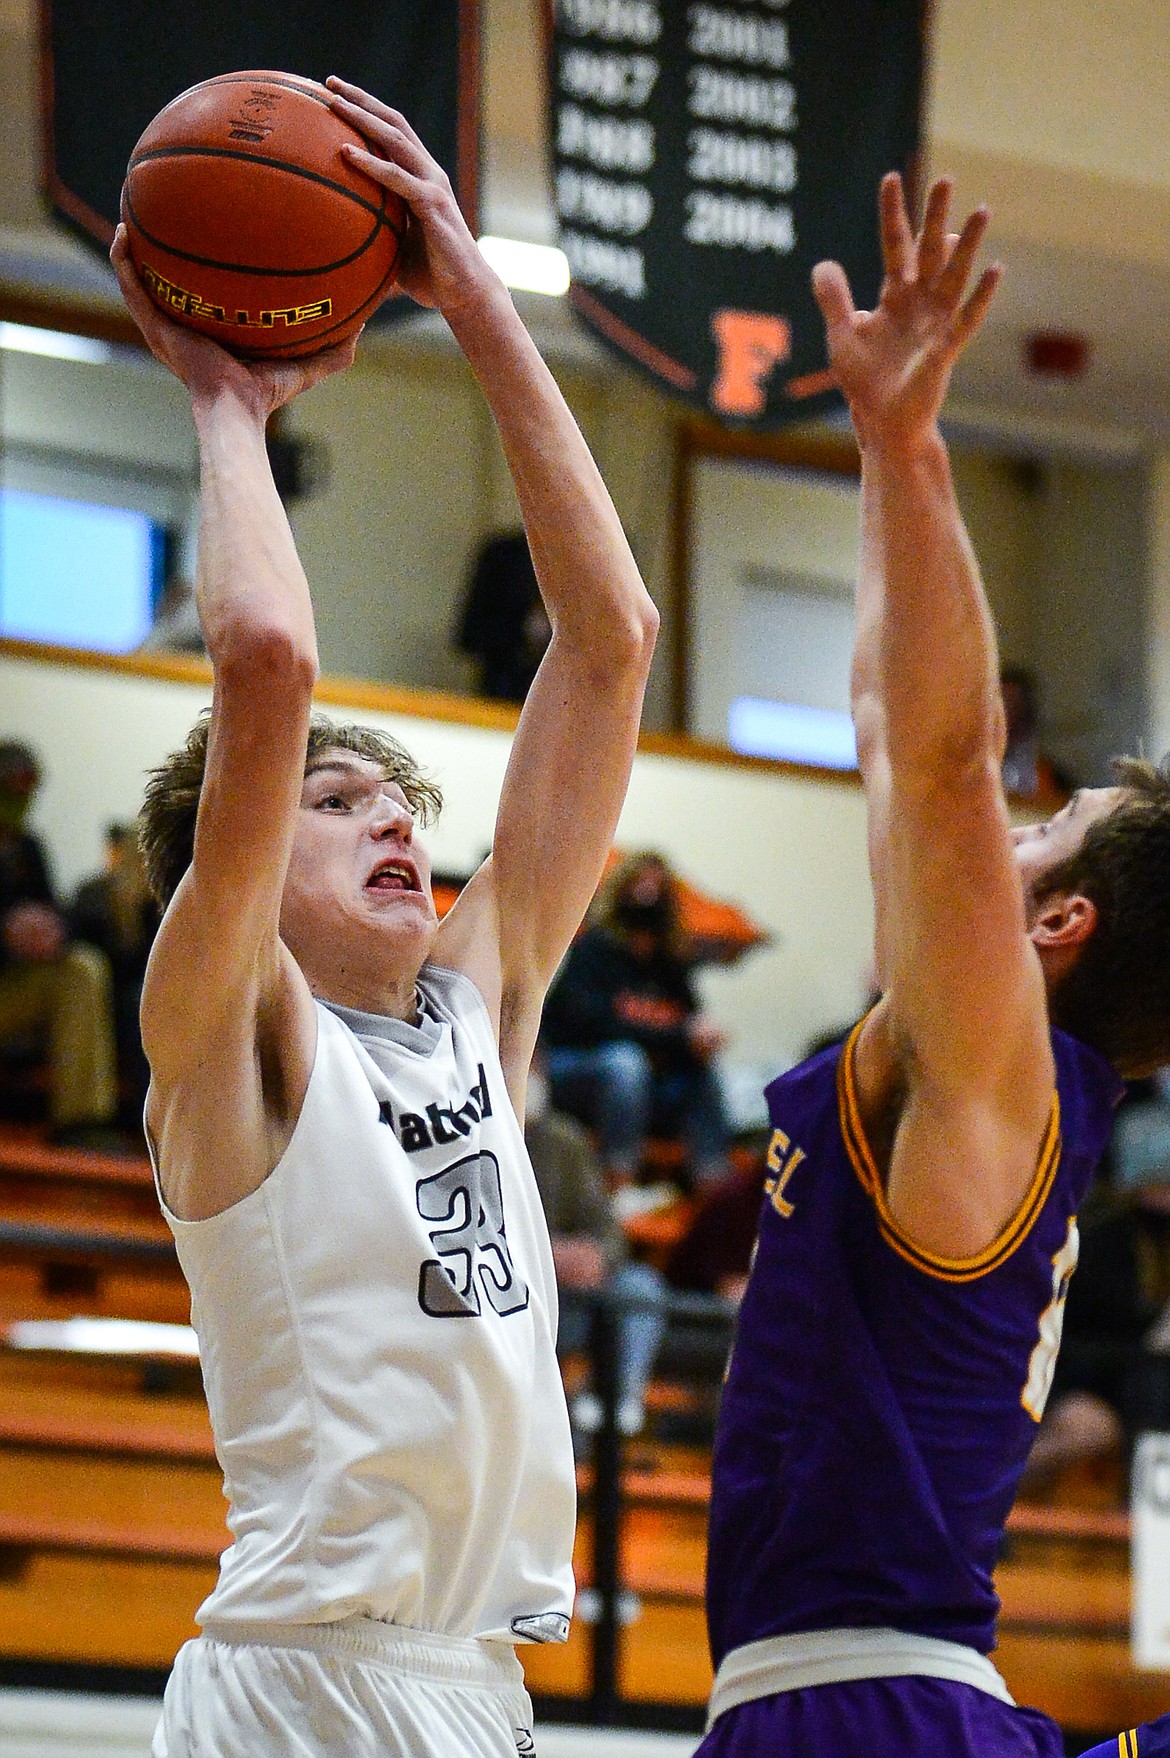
{"x": 782, "y": 1160}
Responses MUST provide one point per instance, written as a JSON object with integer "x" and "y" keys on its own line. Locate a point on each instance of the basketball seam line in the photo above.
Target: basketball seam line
{"x": 208, "y": 262}
{"x": 211, "y": 152}
{"x": 321, "y": 338}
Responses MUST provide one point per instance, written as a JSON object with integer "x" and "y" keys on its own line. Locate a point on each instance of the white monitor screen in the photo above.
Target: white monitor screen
{"x": 792, "y": 731}
{"x": 75, "y": 574}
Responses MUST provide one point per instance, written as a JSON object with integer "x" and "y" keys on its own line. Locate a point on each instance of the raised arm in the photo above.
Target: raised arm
{"x": 227, "y": 1022}
{"x": 960, "y": 1040}
{"x": 571, "y": 756}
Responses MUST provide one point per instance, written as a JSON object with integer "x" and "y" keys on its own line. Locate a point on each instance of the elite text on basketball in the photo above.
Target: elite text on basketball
{"x": 179, "y": 299}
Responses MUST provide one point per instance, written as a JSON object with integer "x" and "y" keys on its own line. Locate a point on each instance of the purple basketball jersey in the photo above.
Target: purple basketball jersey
{"x": 881, "y": 1402}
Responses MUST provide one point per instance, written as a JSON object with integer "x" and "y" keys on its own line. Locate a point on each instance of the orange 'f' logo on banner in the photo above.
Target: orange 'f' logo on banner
{"x": 750, "y": 344}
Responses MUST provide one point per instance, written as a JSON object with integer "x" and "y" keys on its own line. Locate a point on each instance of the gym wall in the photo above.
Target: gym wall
{"x": 788, "y": 847}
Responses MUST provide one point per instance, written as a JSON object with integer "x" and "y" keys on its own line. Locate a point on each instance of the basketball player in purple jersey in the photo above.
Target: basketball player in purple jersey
{"x": 896, "y": 1342}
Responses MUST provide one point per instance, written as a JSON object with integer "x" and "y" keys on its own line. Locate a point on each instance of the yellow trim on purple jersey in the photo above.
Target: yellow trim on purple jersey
{"x": 961, "y": 1269}
{"x": 1127, "y": 1744}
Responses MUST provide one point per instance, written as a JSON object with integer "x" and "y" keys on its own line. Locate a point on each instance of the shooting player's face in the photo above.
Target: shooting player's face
{"x": 1040, "y": 847}
{"x": 358, "y": 882}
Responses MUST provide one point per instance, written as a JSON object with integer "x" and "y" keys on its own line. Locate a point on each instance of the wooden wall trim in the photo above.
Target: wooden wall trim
{"x": 41, "y": 311}
{"x": 800, "y": 448}
{"x": 420, "y": 704}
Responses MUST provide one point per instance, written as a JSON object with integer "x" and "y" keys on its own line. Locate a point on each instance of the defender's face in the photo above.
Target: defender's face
{"x": 1040, "y": 847}
{"x": 357, "y": 872}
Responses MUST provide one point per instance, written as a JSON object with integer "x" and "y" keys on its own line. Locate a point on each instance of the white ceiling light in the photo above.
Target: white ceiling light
{"x": 530, "y": 268}
{"x": 26, "y": 339}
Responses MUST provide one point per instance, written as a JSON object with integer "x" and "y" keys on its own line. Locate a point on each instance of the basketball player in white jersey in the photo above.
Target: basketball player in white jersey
{"x": 336, "y": 1081}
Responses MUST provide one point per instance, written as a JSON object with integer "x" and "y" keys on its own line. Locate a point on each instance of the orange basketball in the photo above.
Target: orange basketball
{"x": 246, "y": 223}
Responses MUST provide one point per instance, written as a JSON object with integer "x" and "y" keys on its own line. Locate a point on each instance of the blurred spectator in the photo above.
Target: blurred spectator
{"x": 54, "y": 993}
{"x": 115, "y": 912}
{"x": 504, "y": 624}
{"x": 1027, "y": 769}
{"x": 590, "y": 1253}
{"x": 628, "y": 1049}
{"x": 714, "y": 1254}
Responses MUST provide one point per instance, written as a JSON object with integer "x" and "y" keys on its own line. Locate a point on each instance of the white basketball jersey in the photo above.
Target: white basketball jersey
{"x": 377, "y": 1326}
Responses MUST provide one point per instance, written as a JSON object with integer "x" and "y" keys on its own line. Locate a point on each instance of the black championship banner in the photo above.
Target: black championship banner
{"x": 109, "y": 66}
{"x": 706, "y": 156}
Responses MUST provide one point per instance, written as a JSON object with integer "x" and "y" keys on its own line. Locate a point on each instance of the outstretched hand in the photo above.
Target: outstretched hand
{"x": 441, "y": 264}
{"x": 207, "y": 369}
{"x": 894, "y": 364}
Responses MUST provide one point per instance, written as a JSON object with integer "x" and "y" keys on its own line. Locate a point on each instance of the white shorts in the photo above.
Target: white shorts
{"x": 357, "y": 1689}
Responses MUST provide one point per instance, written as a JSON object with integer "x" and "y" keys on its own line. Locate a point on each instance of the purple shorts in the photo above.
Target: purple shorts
{"x": 883, "y": 1718}
{"x": 1151, "y": 1740}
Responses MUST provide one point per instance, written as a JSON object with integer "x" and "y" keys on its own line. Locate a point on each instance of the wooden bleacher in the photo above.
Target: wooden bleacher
{"x": 111, "y": 1505}
{"x": 82, "y": 1232}
{"x": 112, "y": 1512}
{"x": 40, "y": 1183}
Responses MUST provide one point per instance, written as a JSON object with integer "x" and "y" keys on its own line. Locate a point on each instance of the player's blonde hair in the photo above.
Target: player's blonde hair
{"x": 166, "y": 823}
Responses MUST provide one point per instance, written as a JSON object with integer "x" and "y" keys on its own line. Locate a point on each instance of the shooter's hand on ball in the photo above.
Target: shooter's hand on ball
{"x": 208, "y": 370}
{"x": 441, "y": 265}
{"x": 894, "y": 364}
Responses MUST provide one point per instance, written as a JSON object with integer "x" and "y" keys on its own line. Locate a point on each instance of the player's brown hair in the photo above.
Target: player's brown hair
{"x": 166, "y": 823}
{"x": 1117, "y": 995}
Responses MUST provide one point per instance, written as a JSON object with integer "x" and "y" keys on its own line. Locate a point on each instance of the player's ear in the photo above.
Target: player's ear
{"x": 1064, "y": 921}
